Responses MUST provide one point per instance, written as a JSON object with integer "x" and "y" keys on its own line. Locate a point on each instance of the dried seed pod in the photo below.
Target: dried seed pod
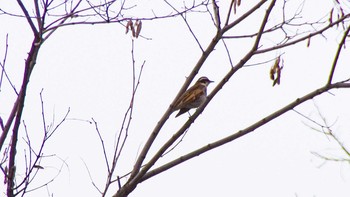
{"x": 275, "y": 71}
{"x": 128, "y": 26}
{"x": 138, "y": 25}
{"x": 236, "y": 3}
{"x": 38, "y": 166}
{"x": 132, "y": 28}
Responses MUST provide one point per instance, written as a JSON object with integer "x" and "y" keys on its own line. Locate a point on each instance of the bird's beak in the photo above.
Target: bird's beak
{"x": 211, "y": 81}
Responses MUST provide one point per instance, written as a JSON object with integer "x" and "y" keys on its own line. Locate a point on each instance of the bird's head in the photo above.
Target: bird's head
{"x": 204, "y": 80}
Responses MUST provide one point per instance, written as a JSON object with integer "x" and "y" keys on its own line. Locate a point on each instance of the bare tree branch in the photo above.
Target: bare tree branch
{"x": 46, "y": 16}
{"x": 335, "y": 61}
{"x": 245, "y": 131}
{"x": 319, "y": 32}
{"x": 3, "y": 70}
{"x": 138, "y": 173}
{"x": 187, "y": 24}
{"x": 326, "y": 129}
{"x": 27, "y": 16}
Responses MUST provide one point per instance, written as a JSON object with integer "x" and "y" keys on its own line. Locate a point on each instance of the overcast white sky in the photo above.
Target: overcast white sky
{"x": 88, "y": 69}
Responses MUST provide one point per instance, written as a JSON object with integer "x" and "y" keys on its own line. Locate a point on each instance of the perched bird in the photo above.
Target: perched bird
{"x": 193, "y": 97}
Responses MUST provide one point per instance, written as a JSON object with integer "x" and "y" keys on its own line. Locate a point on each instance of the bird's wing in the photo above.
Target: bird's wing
{"x": 189, "y": 96}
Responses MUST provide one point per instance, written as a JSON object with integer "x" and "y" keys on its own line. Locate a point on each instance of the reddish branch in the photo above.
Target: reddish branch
{"x": 29, "y": 64}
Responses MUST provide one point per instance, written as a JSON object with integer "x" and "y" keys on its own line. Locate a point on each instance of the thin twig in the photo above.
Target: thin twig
{"x": 319, "y": 32}
{"x": 91, "y": 179}
{"x": 187, "y": 24}
{"x": 120, "y": 143}
{"x": 102, "y": 145}
{"x": 335, "y": 61}
{"x": 3, "y": 70}
{"x": 228, "y": 53}
{"x": 175, "y": 145}
{"x": 229, "y": 13}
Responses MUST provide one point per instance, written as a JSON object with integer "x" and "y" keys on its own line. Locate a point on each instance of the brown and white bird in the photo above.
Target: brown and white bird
{"x": 193, "y": 97}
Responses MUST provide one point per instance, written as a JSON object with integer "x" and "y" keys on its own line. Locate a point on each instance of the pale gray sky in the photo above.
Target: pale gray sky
{"x": 88, "y": 69}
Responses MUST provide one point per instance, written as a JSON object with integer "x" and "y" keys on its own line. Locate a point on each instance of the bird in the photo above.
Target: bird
{"x": 193, "y": 97}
